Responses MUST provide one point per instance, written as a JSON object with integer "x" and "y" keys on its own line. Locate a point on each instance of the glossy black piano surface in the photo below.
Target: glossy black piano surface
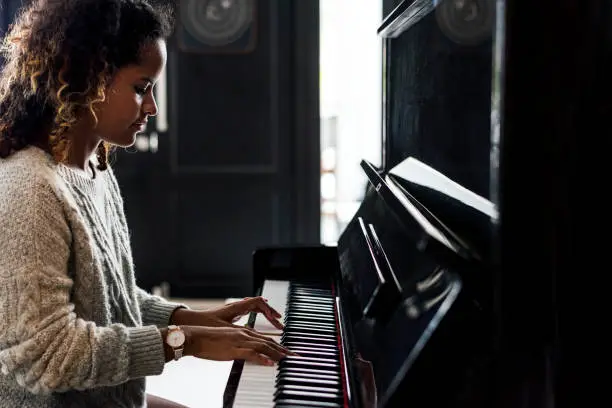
{"x": 387, "y": 316}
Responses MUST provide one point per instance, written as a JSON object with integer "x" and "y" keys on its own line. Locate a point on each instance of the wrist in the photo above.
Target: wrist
{"x": 188, "y": 317}
{"x": 168, "y": 352}
{"x": 188, "y": 349}
{"x": 177, "y": 317}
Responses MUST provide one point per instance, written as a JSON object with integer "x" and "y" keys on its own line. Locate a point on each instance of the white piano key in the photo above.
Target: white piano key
{"x": 257, "y": 383}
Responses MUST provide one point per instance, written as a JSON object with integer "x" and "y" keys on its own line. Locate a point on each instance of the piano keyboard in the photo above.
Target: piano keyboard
{"x": 312, "y": 379}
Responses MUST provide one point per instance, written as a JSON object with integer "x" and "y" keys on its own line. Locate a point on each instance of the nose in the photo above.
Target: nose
{"x": 149, "y": 105}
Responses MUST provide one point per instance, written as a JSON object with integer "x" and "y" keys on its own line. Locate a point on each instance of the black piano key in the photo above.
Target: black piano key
{"x": 311, "y": 325}
{"x": 329, "y": 348}
{"x": 285, "y": 363}
{"x": 311, "y": 329}
{"x": 311, "y": 299}
{"x": 293, "y": 403}
{"x": 310, "y": 286}
{"x": 306, "y": 302}
{"x": 288, "y": 338}
{"x": 323, "y": 291}
{"x": 304, "y": 332}
{"x": 316, "y": 353}
{"x": 300, "y": 331}
{"x": 308, "y": 395}
{"x": 312, "y": 289}
{"x": 294, "y": 379}
{"x": 315, "y": 293}
{"x": 334, "y": 392}
{"x": 307, "y": 299}
{"x": 306, "y": 338}
{"x": 315, "y": 359}
{"x": 310, "y": 308}
{"x": 304, "y": 344}
{"x": 308, "y": 317}
{"x": 303, "y": 322}
{"x": 297, "y": 310}
{"x": 323, "y": 352}
{"x": 312, "y": 319}
{"x": 321, "y": 296}
{"x": 291, "y": 313}
{"x": 289, "y": 334}
{"x": 314, "y": 342}
{"x": 295, "y": 349}
{"x": 298, "y": 295}
{"x": 317, "y": 320}
{"x": 309, "y": 373}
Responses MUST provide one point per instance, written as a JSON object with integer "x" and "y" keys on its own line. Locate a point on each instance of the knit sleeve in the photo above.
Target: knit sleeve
{"x": 156, "y": 310}
{"x": 44, "y": 346}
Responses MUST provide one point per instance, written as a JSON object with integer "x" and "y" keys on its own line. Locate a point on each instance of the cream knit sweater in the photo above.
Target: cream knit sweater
{"x": 75, "y": 330}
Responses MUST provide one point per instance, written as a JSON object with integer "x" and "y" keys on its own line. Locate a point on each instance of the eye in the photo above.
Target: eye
{"x": 140, "y": 90}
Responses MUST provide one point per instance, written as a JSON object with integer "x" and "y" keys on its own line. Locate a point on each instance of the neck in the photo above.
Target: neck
{"x": 81, "y": 146}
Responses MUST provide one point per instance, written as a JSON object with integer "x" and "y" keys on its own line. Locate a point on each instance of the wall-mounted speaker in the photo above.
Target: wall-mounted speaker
{"x": 217, "y": 26}
{"x": 466, "y": 22}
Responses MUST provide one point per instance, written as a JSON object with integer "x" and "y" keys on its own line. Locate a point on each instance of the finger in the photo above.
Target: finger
{"x": 261, "y": 334}
{"x": 266, "y": 349}
{"x": 253, "y": 357}
{"x": 275, "y": 322}
{"x": 275, "y": 312}
{"x": 254, "y": 334}
{"x": 279, "y": 347}
{"x": 259, "y": 304}
{"x": 239, "y": 316}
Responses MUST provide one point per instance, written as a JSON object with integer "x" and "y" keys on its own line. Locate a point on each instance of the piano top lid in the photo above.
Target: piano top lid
{"x": 462, "y": 215}
{"x": 411, "y": 212}
{"x": 417, "y": 172}
{"x": 404, "y": 16}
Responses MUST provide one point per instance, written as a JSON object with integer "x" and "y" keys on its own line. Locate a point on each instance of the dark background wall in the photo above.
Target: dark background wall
{"x": 238, "y": 167}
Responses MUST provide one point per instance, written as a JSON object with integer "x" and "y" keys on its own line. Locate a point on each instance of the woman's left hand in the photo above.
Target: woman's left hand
{"x": 228, "y": 314}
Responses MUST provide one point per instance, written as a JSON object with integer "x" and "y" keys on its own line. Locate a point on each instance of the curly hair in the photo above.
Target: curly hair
{"x": 60, "y": 56}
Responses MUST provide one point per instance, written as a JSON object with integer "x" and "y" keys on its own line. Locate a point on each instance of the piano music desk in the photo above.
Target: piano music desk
{"x": 190, "y": 381}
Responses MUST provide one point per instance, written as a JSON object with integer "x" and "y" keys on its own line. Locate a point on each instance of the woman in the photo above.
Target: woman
{"x": 75, "y": 330}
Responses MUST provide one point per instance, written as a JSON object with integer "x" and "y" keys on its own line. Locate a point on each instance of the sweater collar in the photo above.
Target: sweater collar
{"x": 79, "y": 178}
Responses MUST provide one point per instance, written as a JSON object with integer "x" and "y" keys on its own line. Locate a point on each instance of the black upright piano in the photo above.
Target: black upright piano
{"x": 395, "y": 312}
{"x": 432, "y": 299}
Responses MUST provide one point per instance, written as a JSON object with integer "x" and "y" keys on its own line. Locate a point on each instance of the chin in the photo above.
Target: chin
{"x": 125, "y": 140}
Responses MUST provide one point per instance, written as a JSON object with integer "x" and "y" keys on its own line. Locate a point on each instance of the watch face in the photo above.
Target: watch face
{"x": 176, "y": 338}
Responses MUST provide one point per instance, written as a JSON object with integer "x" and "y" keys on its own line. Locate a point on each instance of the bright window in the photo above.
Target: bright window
{"x": 351, "y": 106}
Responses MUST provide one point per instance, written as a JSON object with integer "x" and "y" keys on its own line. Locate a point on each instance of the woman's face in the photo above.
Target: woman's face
{"x": 129, "y": 98}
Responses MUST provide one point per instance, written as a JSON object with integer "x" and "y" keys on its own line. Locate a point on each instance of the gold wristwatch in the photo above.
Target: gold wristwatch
{"x": 176, "y": 339}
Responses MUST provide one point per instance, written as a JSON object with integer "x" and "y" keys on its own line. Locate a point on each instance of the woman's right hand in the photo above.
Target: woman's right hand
{"x": 232, "y": 343}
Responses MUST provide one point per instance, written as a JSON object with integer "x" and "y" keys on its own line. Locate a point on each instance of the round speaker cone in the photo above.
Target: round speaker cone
{"x": 466, "y": 22}
{"x": 217, "y": 22}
